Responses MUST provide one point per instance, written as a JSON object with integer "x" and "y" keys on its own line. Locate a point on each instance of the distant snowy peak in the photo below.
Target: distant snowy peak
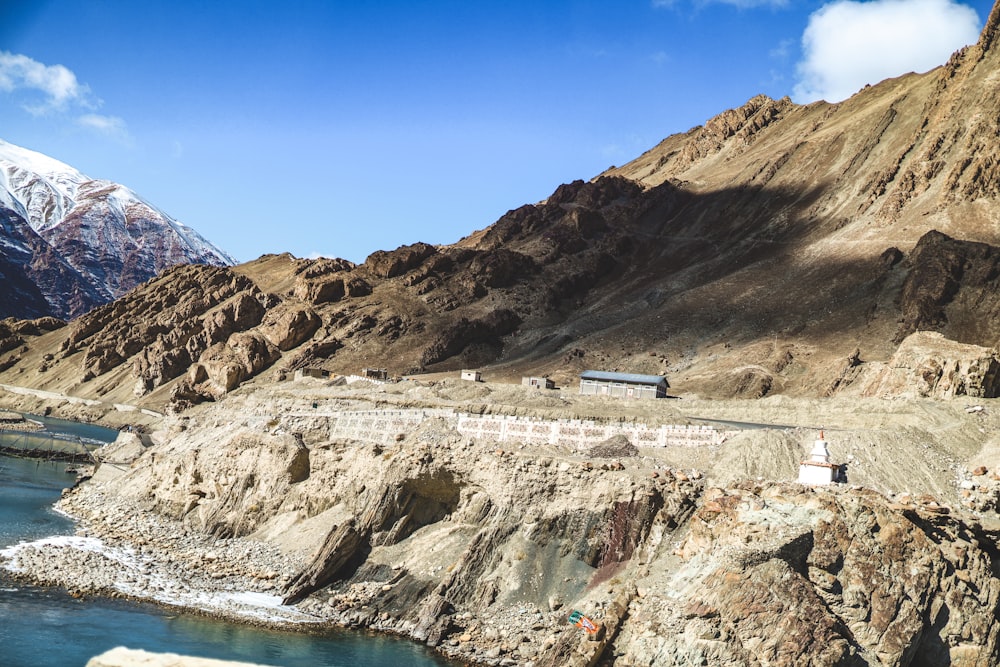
{"x": 40, "y": 164}
{"x": 47, "y": 190}
{"x": 139, "y": 219}
{"x": 101, "y": 230}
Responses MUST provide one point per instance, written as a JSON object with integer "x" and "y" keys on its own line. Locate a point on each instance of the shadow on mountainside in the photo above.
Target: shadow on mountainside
{"x": 621, "y": 272}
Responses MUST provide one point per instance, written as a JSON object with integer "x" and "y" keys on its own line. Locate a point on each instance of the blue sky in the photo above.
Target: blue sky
{"x": 339, "y": 128}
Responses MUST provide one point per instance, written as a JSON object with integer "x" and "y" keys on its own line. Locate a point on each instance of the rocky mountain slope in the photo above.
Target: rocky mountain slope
{"x": 778, "y": 249}
{"x": 70, "y": 242}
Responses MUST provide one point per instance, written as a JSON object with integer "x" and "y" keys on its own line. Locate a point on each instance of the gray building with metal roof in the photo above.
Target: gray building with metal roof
{"x": 623, "y": 385}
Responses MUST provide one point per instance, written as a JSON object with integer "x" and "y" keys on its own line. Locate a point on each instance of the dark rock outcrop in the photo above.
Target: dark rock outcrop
{"x": 340, "y": 547}
{"x": 389, "y": 264}
{"x": 948, "y": 275}
{"x": 486, "y": 331}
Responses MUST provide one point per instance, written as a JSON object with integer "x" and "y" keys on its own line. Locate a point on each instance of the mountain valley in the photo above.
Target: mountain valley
{"x": 792, "y": 270}
{"x": 778, "y": 249}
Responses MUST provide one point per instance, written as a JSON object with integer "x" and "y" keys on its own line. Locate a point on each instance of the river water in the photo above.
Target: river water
{"x": 45, "y": 627}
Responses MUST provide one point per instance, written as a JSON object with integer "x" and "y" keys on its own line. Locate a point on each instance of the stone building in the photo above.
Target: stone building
{"x": 537, "y": 382}
{"x": 319, "y": 373}
{"x": 623, "y": 385}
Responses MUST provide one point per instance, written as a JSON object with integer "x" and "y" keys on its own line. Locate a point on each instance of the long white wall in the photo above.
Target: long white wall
{"x": 583, "y": 434}
{"x": 384, "y": 426}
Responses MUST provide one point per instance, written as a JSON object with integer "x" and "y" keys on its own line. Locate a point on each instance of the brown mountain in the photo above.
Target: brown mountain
{"x": 778, "y": 248}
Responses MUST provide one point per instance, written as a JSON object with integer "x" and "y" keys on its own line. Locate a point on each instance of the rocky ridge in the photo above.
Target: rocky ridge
{"x": 778, "y": 249}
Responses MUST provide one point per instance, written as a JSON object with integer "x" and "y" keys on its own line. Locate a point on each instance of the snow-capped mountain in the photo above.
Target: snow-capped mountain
{"x": 81, "y": 242}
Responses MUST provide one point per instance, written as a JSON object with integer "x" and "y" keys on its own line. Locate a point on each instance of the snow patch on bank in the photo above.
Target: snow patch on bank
{"x": 136, "y": 576}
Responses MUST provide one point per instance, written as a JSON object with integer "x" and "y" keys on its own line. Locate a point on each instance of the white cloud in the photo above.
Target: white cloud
{"x": 782, "y": 50}
{"x": 111, "y": 126}
{"x": 54, "y": 90}
{"x": 848, "y": 44}
{"x": 105, "y": 124}
{"x": 57, "y": 84}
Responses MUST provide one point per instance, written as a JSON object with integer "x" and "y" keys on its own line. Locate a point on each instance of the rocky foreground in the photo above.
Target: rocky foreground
{"x": 250, "y": 509}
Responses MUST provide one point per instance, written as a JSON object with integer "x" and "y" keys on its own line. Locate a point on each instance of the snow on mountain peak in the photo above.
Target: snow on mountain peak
{"x": 109, "y": 235}
{"x": 42, "y": 165}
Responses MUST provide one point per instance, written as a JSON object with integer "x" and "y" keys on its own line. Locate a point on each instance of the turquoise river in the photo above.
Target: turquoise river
{"x": 45, "y": 627}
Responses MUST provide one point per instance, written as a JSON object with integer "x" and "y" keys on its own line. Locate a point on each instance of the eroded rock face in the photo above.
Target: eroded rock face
{"x": 222, "y": 367}
{"x": 325, "y": 290}
{"x": 488, "y": 331}
{"x": 166, "y": 329}
{"x": 440, "y": 535}
{"x": 738, "y": 126}
{"x": 427, "y": 527}
{"x": 412, "y": 528}
{"x": 779, "y": 575}
{"x": 928, "y": 364}
{"x": 952, "y": 284}
{"x": 225, "y": 490}
{"x": 288, "y": 328}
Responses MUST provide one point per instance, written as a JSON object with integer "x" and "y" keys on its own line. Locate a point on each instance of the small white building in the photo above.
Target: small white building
{"x": 817, "y": 469}
{"x": 472, "y": 376}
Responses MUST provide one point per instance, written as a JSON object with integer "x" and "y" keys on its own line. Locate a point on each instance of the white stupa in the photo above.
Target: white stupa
{"x": 817, "y": 469}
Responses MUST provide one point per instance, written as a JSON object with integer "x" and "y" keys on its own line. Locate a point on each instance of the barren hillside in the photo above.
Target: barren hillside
{"x": 777, "y": 249}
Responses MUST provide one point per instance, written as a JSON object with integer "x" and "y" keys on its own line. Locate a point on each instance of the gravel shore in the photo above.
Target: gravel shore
{"x": 121, "y": 552}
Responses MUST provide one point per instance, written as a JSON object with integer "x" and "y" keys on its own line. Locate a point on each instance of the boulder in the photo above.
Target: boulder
{"x": 316, "y": 292}
{"x": 289, "y": 328}
{"x": 222, "y": 367}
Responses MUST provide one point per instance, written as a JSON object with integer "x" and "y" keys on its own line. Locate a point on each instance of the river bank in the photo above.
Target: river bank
{"x": 126, "y": 546}
{"x": 14, "y": 421}
{"x": 74, "y": 629}
{"x": 119, "y": 552}
{"x": 51, "y": 439}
